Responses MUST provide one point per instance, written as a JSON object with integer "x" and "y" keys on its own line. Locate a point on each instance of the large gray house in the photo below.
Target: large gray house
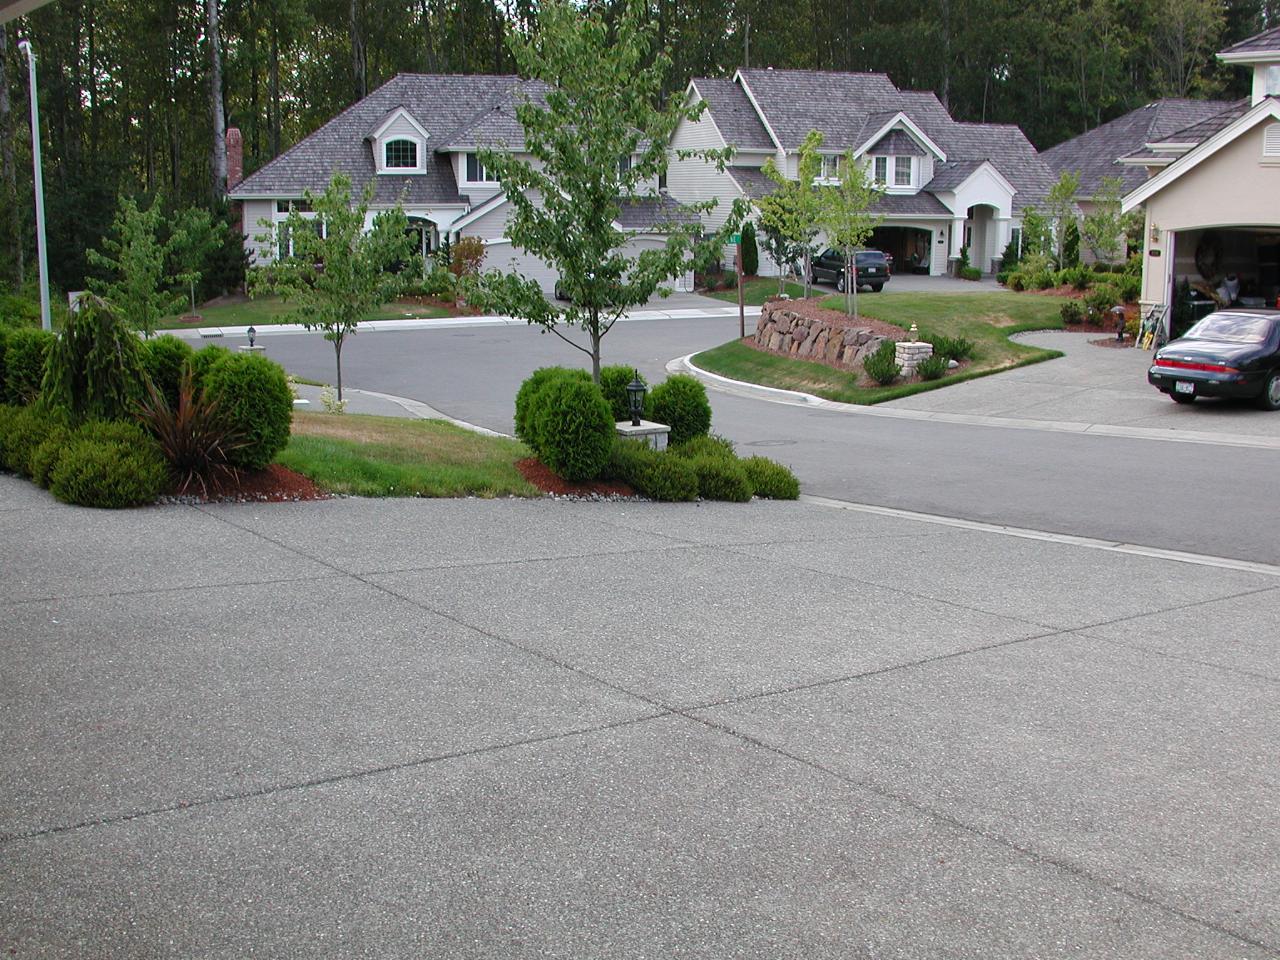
{"x": 947, "y": 184}
{"x": 416, "y": 139}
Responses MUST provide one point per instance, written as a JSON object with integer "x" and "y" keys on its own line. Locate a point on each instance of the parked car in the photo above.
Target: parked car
{"x": 871, "y": 265}
{"x": 1230, "y": 353}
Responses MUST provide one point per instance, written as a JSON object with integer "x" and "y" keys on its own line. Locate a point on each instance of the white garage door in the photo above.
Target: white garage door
{"x": 501, "y": 255}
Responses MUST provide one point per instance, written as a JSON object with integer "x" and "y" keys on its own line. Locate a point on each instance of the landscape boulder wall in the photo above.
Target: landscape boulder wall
{"x": 805, "y": 331}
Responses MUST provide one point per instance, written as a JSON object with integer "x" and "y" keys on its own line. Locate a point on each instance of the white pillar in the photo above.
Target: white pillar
{"x": 957, "y": 240}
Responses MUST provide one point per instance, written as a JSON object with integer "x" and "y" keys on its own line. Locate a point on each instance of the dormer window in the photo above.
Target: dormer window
{"x": 880, "y": 171}
{"x": 831, "y": 167}
{"x": 476, "y": 173}
{"x": 902, "y": 171}
{"x": 401, "y": 155}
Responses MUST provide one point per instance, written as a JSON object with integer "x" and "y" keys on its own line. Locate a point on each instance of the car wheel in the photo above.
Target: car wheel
{"x": 1183, "y": 397}
{"x": 877, "y": 287}
{"x": 840, "y": 283}
{"x": 1270, "y": 398}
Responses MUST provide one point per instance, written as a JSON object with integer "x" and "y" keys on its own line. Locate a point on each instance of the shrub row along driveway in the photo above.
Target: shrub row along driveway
{"x": 547, "y": 729}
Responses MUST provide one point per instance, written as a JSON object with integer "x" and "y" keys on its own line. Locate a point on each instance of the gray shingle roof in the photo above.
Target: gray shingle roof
{"x": 754, "y": 183}
{"x": 1195, "y": 134}
{"x": 896, "y": 143}
{"x": 1095, "y": 154}
{"x": 835, "y": 104}
{"x": 652, "y": 214}
{"x": 733, "y": 114}
{"x": 1266, "y": 42}
{"x": 920, "y": 204}
{"x": 442, "y": 104}
{"x": 949, "y": 175}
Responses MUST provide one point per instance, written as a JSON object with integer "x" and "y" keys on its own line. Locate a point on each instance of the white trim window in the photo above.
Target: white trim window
{"x": 1271, "y": 80}
{"x": 831, "y": 168}
{"x": 476, "y": 173}
{"x": 880, "y": 172}
{"x": 903, "y": 171}
{"x": 400, "y": 154}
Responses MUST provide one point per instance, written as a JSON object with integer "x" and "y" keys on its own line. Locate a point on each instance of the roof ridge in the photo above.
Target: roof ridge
{"x": 494, "y": 104}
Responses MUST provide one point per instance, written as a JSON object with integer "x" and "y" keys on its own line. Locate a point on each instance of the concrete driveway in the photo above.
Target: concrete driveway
{"x": 500, "y": 729}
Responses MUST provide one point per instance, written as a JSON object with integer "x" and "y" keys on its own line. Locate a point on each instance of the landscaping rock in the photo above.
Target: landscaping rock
{"x": 804, "y": 330}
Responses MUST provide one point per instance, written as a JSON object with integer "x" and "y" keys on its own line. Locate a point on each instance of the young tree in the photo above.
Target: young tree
{"x": 603, "y": 81}
{"x": 134, "y": 259}
{"x": 1061, "y": 207}
{"x": 1037, "y": 233}
{"x": 196, "y": 239}
{"x": 844, "y": 213}
{"x": 791, "y": 211}
{"x": 338, "y": 272}
{"x": 1103, "y": 229}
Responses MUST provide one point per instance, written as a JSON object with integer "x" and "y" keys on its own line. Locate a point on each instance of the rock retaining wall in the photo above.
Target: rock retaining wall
{"x": 800, "y": 330}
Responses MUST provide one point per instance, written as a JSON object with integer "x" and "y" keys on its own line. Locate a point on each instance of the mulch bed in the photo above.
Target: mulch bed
{"x": 546, "y": 481}
{"x": 275, "y": 484}
{"x": 1112, "y": 343}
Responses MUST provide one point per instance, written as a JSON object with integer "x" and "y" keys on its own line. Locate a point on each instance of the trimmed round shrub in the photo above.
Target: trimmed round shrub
{"x": 572, "y": 427}
{"x": 1102, "y": 298}
{"x": 721, "y": 478}
{"x": 25, "y": 430}
{"x": 163, "y": 359}
{"x": 932, "y": 367}
{"x": 109, "y": 464}
{"x": 613, "y": 384}
{"x": 25, "y": 352}
{"x": 706, "y": 446}
{"x": 7, "y": 413}
{"x": 16, "y": 311}
{"x": 650, "y": 473}
{"x": 1072, "y": 313}
{"x": 882, "y": 366}
{"x": 526, "y": 398}
{"x": 771, "y": 479}
{"x": 681, "y": 403}
{"x": 46, "y": 457}
{"x": 204, "y": 360}
{"x": 253, "y": 393}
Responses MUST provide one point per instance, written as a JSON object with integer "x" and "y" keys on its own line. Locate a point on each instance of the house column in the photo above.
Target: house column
{"x": 1004, "y": 230}
{"x": 957, "y": 241}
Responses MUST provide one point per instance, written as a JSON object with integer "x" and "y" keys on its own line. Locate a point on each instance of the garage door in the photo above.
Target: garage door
{"x": 501, "y": 255}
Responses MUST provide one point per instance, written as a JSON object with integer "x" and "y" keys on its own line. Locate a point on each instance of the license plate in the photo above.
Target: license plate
{"x": 1182, "y": 386}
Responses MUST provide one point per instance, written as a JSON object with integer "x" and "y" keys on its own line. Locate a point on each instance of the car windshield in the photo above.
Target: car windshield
{"x": 870, "y": 258}
{"x": 1231, "y": 327}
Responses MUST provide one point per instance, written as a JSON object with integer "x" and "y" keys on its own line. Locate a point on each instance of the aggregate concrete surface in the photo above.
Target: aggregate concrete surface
{"x": 556, "y": 729}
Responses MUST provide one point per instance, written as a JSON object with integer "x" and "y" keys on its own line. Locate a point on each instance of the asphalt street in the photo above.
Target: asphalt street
{"x": 1180, "y": 496}
{"x": 545, "y": 729}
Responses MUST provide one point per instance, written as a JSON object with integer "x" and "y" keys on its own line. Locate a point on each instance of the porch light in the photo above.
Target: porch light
{"x": 1155, "y": 233}
{"x": 635, "y": 398}
{"x": 251, "y": 334}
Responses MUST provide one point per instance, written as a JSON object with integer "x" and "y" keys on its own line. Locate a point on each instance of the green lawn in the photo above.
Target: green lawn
{"x": 758, "y": 291}
{"x": 393, "y": 457}
{"x": 987, "y": 319}
{"x": 269, "y": 310}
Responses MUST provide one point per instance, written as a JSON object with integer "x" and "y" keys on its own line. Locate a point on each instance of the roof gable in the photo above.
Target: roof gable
{"x": 392, "y": 116}
{"x": 1262, "y": 47}
{"x": 733, "y": 114}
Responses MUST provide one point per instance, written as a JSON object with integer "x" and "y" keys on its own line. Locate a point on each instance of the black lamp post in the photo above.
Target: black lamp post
{"x": 252, "y": 333}
{"x": 635, "y": 398}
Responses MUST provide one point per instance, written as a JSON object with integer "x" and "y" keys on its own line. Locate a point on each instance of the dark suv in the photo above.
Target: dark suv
{"x": 872, "y": 269}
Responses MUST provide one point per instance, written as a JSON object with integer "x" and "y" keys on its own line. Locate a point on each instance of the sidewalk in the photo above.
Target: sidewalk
{"x": 542, "y": 729}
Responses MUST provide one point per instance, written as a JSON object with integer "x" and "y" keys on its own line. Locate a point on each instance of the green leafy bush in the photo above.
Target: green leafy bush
{"x": 1071, "y": 244}
{"x": 951, "y": 348}
{"x": 721, "y": 478}
{"x": 197, "y": 441}
{"x": 970, "y": 273}
{"x": 1129, "y": 286}
{"x": 25, "y": 430}
{"x": 613, "y": 383}
{"x": 46, "y": 457}
{"x": 573, "y": 428}
{"x": 1017, "y": 281}
{"x": 95, "y": 367}
{"x": 253, "y": 394}
{"x": 204, "y": 360}
{"x": 681, "y": 403}
{"x": 164, "y": 359}
{"x": 439, "y": 283}
{"x": 526, "y": 399}
{"x": 16, "y": 311}
{"x": 882, "y": 366}
{"x": 109, "y": 464}
{"x": 771, "y": 480}
{"x": 7, "y": 412}
{"x": 705, "y": 446}
{"x": 750, "y": 250}
{"x": 1072, "y": 313}
{"x": 932, "y": 367}
{"x": 1101, "y": 299}
{"x": 653, "y": 474}
{"x": 1079, "y": 276}
{"x": 25, "y": 352}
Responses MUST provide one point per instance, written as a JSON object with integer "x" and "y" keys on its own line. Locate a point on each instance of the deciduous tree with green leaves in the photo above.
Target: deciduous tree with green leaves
{"x": 1060, "y": 204}
{"x": 196, "y": 239}
{"x": 790, "y": 212}
{"x": 597, "y": 135}
{"x": 844, "y": 213}
{"x": 1104, "y": 226}
{"x": 132, "y": 258}
{"x": 338, "y": 272}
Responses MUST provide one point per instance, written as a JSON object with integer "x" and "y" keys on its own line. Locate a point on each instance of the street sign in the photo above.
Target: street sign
{"x": 735, "y": 238}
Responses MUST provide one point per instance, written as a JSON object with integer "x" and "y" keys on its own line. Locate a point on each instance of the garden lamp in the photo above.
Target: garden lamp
{"x": 635, "y": 398}
{"x": 1118, "y": 313}
{"x": 252, "y": 333}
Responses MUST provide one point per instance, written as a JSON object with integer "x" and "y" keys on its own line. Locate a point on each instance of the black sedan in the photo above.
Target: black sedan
{"x": 1231, "y": 353}
{"x": 871, "y": 267}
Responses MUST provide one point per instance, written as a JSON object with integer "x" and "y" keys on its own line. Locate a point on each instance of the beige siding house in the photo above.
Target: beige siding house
{"x": 1212, "y": 200}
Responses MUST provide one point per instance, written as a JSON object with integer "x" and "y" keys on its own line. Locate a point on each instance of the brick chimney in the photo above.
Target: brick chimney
{"x": 235, "y": 157}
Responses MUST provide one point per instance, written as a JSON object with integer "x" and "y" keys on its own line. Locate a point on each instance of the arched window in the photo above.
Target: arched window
{"x": 401, "y": 155}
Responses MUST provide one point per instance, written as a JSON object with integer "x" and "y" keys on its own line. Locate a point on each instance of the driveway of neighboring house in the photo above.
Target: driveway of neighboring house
{"x": 917, "y": 283}
{"x": 1089, "y": 384}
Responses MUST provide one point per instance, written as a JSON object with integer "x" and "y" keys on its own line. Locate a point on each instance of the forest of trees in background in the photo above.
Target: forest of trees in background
{"x": 128, "y": 107}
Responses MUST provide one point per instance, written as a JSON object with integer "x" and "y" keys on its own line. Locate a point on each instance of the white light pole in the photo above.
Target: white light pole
{"x": 45, "y": 319}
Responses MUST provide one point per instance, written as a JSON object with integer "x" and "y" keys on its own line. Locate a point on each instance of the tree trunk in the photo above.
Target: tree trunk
{"x": 808, "y": 273}
{"x": 358, "y": 56}
{"x": 850, "y": 283}
{"x": 337, "y": 356}
{"x": 219, "y": 156}
{"x": 273, "y": 82}
{"x": 595, "y": 345}
{"x": 11, "y": 237}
